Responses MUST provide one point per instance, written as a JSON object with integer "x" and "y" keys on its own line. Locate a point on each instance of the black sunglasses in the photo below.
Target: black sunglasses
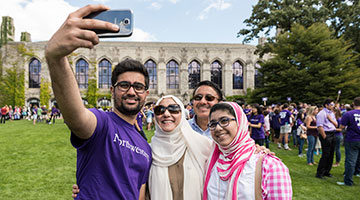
{"x": 124, "y": 86}
{"x": 173, "y": 109}
{"x": 208, "y": 97}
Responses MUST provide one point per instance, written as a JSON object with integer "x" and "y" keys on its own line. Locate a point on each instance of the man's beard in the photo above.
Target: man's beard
{"x": 126, "y": 110}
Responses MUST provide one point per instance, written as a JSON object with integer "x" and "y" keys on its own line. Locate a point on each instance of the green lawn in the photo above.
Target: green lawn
{"x": 38, "y": 162}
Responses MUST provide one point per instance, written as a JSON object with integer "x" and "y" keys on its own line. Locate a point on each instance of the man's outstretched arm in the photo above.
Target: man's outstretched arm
{"x": 74, "y": 33}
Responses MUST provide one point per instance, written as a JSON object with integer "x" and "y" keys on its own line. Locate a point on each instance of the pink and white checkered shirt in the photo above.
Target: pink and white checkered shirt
{"x": 276, "y": 181}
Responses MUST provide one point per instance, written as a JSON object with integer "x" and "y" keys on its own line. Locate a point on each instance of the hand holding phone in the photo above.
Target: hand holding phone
{"x": 122, "y": 18}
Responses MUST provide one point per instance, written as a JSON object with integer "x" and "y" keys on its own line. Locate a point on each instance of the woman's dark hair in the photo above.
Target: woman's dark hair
{"x": 258, "y": 108}
{"x": 129, "y": 65}
{"x": 223, "y": 107}
{"x": 277, "y": 111}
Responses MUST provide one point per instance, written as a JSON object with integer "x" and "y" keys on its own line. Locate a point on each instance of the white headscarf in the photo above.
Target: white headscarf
{"x": 168, "y": 148}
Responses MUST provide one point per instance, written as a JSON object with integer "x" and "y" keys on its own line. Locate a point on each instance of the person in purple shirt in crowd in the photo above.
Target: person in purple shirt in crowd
{"x": 326, "y": 124}
{"x": 256, "y": 123}
{"x": 113, "y": 156}
{"x": 54, "y": 113}
{"x": 285, "y": 126}
{"x": 351, "y": 121}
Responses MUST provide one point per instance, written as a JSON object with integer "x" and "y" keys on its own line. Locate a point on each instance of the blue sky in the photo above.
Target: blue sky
{"x": 213, "y": 21}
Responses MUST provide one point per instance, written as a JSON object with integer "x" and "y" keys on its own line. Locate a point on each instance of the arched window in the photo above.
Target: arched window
{"x": 172, "y": 75}
{"x": 194, "y": 74}
{"x": 150, "y": 65}
{"x": 238, "y": 75}
{"x": 216, "y": 76}
{"x": 104, "y": 74}
{"x": 258, "y": 76}
{"x": 82, "y": 68}
{"x": 34, "y": 73}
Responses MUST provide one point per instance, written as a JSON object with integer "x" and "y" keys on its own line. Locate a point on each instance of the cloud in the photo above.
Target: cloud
{"x": 217, "y": 5}
{"x": 41, "y": 18}
{"x": 155, "y": 6}
{"x": 141, "y": 36}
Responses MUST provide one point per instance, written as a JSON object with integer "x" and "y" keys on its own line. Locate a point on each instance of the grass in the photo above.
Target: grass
{"x": 38, "y": 162}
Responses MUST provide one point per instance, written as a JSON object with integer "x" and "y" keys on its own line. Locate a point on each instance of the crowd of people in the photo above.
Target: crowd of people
{"x": 32, "y": 113}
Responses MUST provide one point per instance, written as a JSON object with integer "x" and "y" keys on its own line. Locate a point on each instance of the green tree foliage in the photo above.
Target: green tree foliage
{"x": 92, "y": 90}
{"x": 269, "y": 15}
{"x": 12, "y": 87}
{"x": 308, "y": 65}
{"x": 45, "y": 92}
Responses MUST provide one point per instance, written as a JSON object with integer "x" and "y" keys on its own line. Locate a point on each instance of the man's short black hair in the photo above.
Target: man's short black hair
{"x": 357, "y": 101}
{"x": 285, "y": 105}
{"x": 327, "y": 101}
{"x": 129, "y": 65}
{"x": 210, "y": 84}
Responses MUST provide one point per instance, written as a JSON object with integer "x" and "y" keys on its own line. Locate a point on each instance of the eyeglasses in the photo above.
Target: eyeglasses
{"x": 331, "y": 104}
{"x": 124, "y": 86}
{"x": 208, "y": 97}
{"x": 223, "y": 122}
{"x": 173, "y": 109}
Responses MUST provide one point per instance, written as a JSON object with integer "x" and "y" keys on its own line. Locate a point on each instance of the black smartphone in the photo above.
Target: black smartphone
{"x": 122, "y": 18}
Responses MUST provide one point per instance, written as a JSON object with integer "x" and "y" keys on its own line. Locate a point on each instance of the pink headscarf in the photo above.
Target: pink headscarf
{"x": 230, "y": 160}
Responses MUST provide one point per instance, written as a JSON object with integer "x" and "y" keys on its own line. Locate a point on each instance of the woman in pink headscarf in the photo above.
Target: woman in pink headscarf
{"x": 233, "y": 170}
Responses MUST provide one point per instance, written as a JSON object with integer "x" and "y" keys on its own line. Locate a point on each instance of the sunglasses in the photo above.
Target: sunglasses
{"x": 208, "y": 97}
{"x": 223, "y": 122}
{"x": 173, "y": 109}
{"x": 124, "y": 86}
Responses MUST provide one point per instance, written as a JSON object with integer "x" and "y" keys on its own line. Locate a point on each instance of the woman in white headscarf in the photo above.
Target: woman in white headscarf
{"x": 179, "y": 154}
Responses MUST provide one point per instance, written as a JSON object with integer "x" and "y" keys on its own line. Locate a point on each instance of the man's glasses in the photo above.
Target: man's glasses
{"x": 124, "y": 86}
{"x": 208, "y": 97}
{"x": 173, "y": 109}
{"x": 223, "y": 122}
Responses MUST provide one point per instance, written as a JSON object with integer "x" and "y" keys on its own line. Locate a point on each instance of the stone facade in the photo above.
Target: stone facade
{"x": 161, "y": 53}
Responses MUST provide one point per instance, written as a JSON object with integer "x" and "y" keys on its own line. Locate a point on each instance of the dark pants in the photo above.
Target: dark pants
{"x": 327, "y": 157}
{"x": 301, "y": 144}
{"x": 260, "y": 142}
{"x": 2, "y": 120}
{"x": 352, "y": 151}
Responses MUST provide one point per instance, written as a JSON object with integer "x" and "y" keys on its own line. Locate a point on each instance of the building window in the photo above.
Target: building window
{"x": 194, "y": 74}
{"x": 258, "y": 76}
{"x": 238, "y": 75}
{"x": 150, "y": 65}
{"x": 172, "y": 75}
{"x": 34, "y": 73}
{"x": 82, "y": 68}
{"x": 216, "y": 76}
{"x": 104, "y": 74}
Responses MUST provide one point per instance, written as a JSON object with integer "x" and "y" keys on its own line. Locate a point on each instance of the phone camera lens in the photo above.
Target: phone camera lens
{"x": 126, "y": 21}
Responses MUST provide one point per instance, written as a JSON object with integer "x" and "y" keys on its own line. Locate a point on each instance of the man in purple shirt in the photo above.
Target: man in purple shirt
{"x": 113, "y": 157}
{"x": 286, "y": 118}
{"x": 326, "y": 124}
{"x": 351, "y": 121}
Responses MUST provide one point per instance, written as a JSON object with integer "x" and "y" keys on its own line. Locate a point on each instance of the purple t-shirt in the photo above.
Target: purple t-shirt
{"x": 322, "y": 120}
{"x": 351, "y": 119}
{"x": 285, "y": 117}
{"x": 257, "y": 133}
{"x": 114, "y": 162}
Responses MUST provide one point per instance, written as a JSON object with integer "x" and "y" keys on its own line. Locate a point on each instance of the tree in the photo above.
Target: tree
{"x": 92, "y": 90}
{"x": 12, "y": 87}
{"x": 308, "y": 65}
{"x": 280, "y": 15}
{"x": 45, "y": 92}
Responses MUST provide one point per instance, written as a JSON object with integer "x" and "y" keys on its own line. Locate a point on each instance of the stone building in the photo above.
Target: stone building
{"x": 174, "y": 68}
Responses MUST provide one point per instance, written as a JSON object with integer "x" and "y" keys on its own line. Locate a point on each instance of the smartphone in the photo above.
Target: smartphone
{"x": 122, "y": 18}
